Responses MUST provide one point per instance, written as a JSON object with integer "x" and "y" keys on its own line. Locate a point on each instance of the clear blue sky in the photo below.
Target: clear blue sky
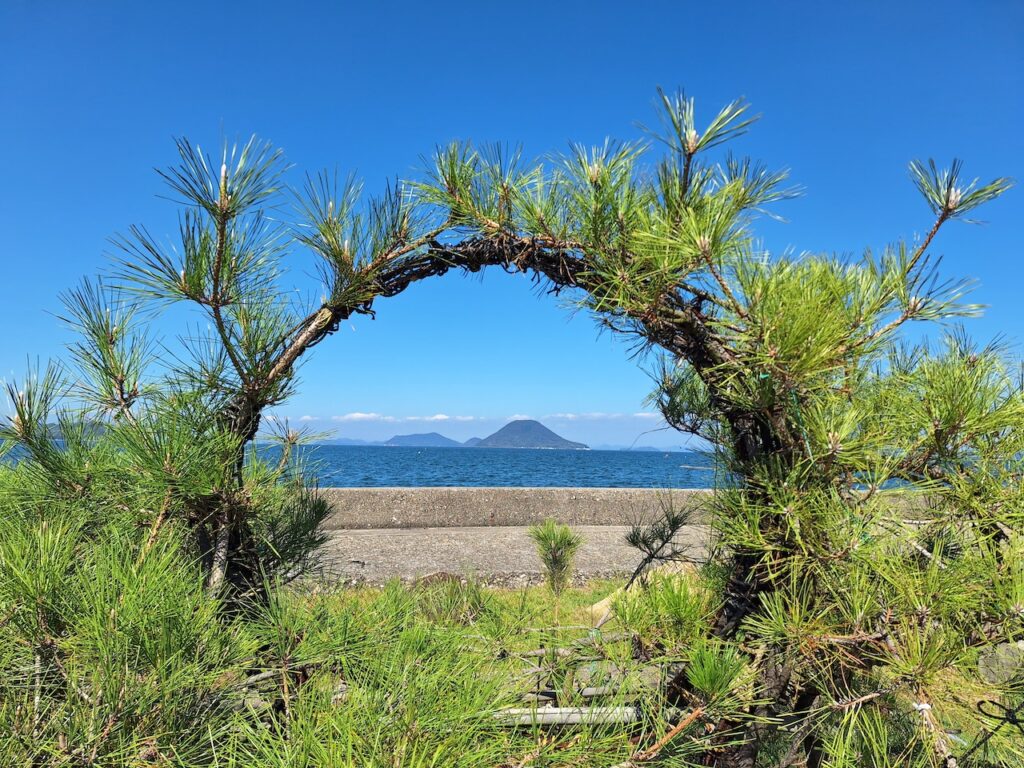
{"x": 91, "y": 94}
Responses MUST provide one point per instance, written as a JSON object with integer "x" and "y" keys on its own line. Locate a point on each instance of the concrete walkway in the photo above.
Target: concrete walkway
{"x": 502, "y": 555}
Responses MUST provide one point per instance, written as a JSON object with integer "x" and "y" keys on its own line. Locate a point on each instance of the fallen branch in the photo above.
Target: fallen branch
{"x": 649, "y": 754}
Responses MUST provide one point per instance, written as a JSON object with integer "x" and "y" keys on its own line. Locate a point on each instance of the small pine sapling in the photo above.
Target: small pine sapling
{"x": 557, "y": 545}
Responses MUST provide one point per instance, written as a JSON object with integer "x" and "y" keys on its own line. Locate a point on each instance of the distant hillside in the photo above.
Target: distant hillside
{"x": 527, "y": 433}
{"x": 349, "y": 441}
{"x": 429, "y": 440}
{"x": 473, "y": 442}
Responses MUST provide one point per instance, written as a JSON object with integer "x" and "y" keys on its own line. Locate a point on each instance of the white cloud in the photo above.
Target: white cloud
{"x": 646, "y": 415}
{"x": 357, "y": 416}
{"x": 435, "y": 417}
{"x": 518, "y": 417}
{"x": 309, "y": 418}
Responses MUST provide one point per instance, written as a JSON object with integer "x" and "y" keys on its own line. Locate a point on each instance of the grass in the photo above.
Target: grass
{"x": 107, "y": 659}
{"x": 114, "y": 653}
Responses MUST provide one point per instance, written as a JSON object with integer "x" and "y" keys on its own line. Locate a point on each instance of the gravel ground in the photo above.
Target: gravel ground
{"x": 497, "y": 555}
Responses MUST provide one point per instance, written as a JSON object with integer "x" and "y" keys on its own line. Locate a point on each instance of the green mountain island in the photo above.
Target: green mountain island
{"x": 527, "y": 433}
{"x": 427, "y": 440}
{"x": 524, "y": 433}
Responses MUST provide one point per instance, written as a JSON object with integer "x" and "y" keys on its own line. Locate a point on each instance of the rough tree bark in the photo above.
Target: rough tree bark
{"x": 681, "y": 328}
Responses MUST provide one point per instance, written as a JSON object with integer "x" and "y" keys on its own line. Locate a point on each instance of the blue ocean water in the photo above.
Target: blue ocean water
{"x": 385, "y": 466}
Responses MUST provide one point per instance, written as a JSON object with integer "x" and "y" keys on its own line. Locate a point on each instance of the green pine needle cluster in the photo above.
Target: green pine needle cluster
{"x": 556, "y": 545}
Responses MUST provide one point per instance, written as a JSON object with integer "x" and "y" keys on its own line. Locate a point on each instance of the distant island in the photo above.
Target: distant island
{"x": 522, "y": 433}
{"x": 527, "y": 433}
{"x": 428, "y": 440}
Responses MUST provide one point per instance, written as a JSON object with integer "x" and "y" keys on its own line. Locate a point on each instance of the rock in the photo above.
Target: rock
{"x": 597, "y": 673}
{"x": 1002, "y": 662}
{"x": 650, "y": 677}
{"x": 655, "y": 676}
{"x": 340, "y": 693}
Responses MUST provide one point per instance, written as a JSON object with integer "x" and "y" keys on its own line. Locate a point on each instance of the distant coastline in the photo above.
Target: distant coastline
{"x": 519, "y": 433}
{"x": 343, "y": 442}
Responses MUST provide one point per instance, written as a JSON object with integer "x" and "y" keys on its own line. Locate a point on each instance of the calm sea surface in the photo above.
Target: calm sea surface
{"x": 372, "y": 466}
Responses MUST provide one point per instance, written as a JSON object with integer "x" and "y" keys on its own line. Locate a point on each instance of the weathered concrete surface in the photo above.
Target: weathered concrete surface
{"x": 377, "y": 534}
{"x": 460, "y": 507}
{"x": 501, "y": 555}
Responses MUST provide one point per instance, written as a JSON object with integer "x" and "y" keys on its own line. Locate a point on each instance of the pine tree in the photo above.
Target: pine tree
{"x": 870, "y": 536}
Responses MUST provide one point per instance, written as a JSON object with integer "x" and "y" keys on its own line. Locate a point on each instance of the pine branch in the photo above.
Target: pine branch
{"x": 216, "y": 298}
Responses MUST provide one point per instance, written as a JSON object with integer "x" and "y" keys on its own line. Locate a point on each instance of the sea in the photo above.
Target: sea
{"x": 387, "y": 466}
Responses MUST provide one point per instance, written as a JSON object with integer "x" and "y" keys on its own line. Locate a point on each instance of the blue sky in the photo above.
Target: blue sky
{"x": 91, "y": 95}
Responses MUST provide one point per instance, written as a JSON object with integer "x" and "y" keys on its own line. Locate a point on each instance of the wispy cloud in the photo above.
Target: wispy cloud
{"x": 380, "y": 417}
{"x": 358, "y": 416}
{"x": 309, "y": 418}
{"x": 440, "y": 418}
{"x": 435, "y": 417}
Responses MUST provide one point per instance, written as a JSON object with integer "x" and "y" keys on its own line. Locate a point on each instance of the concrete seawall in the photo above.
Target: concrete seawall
{"x": 377, "y": 534}
{"x": 464, "y": 507}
